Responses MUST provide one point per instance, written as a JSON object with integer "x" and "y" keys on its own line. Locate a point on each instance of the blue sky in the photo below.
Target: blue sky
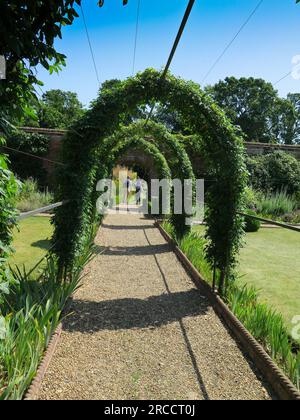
{"x": 264, "y": 49}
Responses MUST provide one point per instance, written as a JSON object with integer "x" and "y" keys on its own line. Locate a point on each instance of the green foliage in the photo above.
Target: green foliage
{"x": 23, "y": 166}
{"x": 56, "y": 109}
{"x": 292, "y": 218}
{"x": 27, "y": 33}
{"x": 259, "y": 176}
{"x": 294, "y": 98}
{"x": 31, "y": 198}
{"x": 137, "y": 144}
{"x": 172, "y": 120}
{"x": 25, "y": 46}
{"x": 181, "y": 168}
{"x": 267, "y": 326}
{"x": 254, "y": 105}
{"x": 277, "y": 171}
{"x": 171, "y": 149}
{"x": 29, "y": 315}
{"x": 284, "y": 172}
{"x": 193, "y": 246}
{"x": 222, "y": 147}
{"x": 251, "y": 198}
{"x": 252, "y": 225}
{"x": 8, "y": 191}
{"x": 276, "y": 204}
{"x": 28, "y": 30}
{"x": 169, "y": 228}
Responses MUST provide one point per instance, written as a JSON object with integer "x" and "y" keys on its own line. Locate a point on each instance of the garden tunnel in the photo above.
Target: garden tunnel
{"x": 165, "y": 149}
{"x": 87, "y": 153}
{"x": 155, "y": 161}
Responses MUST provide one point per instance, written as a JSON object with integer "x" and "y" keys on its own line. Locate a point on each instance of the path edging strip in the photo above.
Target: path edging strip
{"x": 279, "y": 382}
{"x": 33, "y": 391}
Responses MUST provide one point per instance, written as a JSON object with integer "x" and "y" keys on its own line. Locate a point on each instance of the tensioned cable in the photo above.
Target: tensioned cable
{"x": 233, "y": 40}
{"x": 90, "y": 44}
{"x": 136, "y": 35}
{"x": 41, "y": 210}
{"x": 11, "y": 149}
{"x": 284, "y": 77}
{"x": 174, "y": 48}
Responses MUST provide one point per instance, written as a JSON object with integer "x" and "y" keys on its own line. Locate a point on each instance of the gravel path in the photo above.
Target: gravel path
{"x": 140, "y": 330}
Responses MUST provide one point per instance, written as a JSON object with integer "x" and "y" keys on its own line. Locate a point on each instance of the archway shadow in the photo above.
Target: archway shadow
{"x": 184, "y": 331}
{"x": 121, "y": 227}
{"x": 43, "y": 244}
{"x": 128, "y": 314}
{"x": 133, "y": 251}
{"x": 125, "y": 314}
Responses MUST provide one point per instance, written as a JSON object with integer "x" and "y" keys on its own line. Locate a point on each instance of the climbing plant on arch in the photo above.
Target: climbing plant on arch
{"x": 169, "y": 147}
{"x": 222, "y": 147}
{"x": 138, "y": 144}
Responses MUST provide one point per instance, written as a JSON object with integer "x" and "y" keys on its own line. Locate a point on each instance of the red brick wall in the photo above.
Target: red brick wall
{"x": 56, "y": 139}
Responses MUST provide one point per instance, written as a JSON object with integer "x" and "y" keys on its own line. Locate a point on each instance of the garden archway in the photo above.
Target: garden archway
{"x": 173, "y": 151}
{"x": 223, "y": 151}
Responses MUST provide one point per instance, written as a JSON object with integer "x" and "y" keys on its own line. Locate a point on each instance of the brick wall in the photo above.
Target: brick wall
{"x": 56, "y": 139}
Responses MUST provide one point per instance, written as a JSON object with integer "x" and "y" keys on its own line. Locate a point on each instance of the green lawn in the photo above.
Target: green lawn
{"x": 270, "y": 261}
{"x": 31, "y": 241}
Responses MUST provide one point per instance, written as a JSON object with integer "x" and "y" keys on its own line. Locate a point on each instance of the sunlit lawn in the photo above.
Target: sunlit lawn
{"x": 31, "y": 241}
{"x": 270, "y": 261}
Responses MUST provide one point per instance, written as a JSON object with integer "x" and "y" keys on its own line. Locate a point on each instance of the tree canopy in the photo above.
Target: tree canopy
{"x": 56, "y": 109}
{"x": 28, "y": 29}
{"x": 294, "y": 98}
{"x": 251, "y": 104}
{"x": 254, "y": 106}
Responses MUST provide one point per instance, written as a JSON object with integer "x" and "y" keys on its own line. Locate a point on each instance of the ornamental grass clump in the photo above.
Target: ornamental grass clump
{"x": 276, "y": 204}
{"x": 267, "y": 326}
{"x": 193, "y": 246}
{"x": 31, "y": 198}
{"x": 30, "y": 312}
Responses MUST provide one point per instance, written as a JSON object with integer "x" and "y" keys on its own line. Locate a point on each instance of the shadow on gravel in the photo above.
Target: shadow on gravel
{"x": 123, "y": 314}
{"x": 121, "y": 227}
{"x": 134, "y": 250}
